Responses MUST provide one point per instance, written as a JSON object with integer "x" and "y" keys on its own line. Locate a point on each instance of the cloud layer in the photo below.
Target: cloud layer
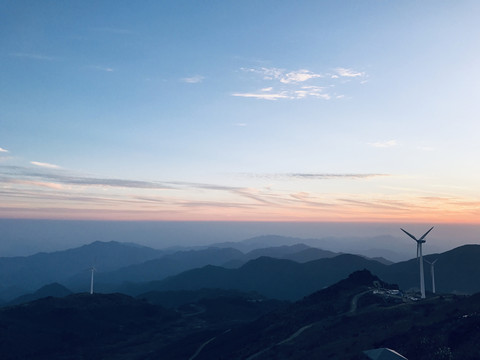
{"x": 46, "y": 192}
{"x": 44, "y": 165}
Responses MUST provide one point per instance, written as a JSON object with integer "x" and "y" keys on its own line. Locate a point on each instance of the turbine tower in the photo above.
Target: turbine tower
{"x": 420, "y": 255}
{"x": 432, "y": 269}
{"x": 92, "y": 269}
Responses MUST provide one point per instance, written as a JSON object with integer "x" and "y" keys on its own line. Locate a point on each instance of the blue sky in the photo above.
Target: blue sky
{"x": 240, "y": 110}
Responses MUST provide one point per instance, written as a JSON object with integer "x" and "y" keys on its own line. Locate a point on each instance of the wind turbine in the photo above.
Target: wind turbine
{"x": 420, "y": 255}
{"x": 432, "y": 269}
{"x": 92, "y": 269}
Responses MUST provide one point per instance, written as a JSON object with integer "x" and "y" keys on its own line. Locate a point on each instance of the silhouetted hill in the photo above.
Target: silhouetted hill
{"x": 309, "y": 254}
{"x": 341, "y": 321}
{"x": 127, "y": 264}
{"x": 117, "y": 263}
{"x": 167, "y": 265}
{"x": 297, "y": 252}
{"x": 274, "y": 278}
{"x": 54, "y": 290}
{"x": 382, "y": 260}
{"x": 34, "y": 271}
{"x": 456, "y": 272}
{"x": 275, "y": 251}
{"x": 260, "y": 242}
{"x": 385, "y": 246}
{"x": 116, "y": 326}
{"x": 338, "y": 322}
{"x": 177, "y": 262}
{"x": 78, "y": 326}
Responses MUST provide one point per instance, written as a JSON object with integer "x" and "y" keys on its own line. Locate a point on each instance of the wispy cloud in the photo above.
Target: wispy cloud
{"x": 50, "y": 185}
{"x": 102, "y": 68}
{"x": 335, "y": 176}
{"x": 2, "y": 150}
{"x": 263, "y": 95}
{"x": 313, "y": 91}
{"x": 343, "y": 72}
{"x": 62, "y": 177}
{"x": 296, "y": 84}
{"x": 316, "y": 176}
{"x": 298, "y": 76}
{"x": 283, "y": 76}
{"x": 34, "y": 56}
{"x": 194, "y": 79}
{"x": 378, "y": 204}
{"x": 45, "y": 165}
{"x": 384, "y": 144}
{"x": 56, "y": 193}
{"x": 299, "y": 93}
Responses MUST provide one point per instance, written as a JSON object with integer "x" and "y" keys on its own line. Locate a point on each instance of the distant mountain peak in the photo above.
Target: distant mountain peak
{"x": 355, "y": 282}
{"x": 53, "y": 288}
{"x": 364, "y": 278}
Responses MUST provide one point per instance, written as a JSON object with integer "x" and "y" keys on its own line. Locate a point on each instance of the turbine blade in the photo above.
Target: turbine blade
{"x": 423, "y": 237}
{"x": 418, "y": 249}
{"x": 428, "y": 262}
{"x": 434, "y": 261}
{"x": 406, "y": 232}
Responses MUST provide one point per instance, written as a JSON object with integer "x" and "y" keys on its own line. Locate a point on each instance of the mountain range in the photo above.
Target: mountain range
{"x": 281, "y": 272}
{"x": 456, "y": 271}
{"x": 120, "y": 262}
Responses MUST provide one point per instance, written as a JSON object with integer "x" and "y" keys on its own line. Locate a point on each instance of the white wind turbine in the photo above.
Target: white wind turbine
{"x": 420, "y": 255}
{"x": 92, "y": 269}
{"x": 432, "y": 269}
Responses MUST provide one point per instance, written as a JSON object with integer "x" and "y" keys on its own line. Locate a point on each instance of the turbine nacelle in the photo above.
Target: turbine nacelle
{"x": 418, "y": 241}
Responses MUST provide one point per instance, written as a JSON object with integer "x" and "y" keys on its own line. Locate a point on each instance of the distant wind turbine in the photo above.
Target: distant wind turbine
{"x": 432, "y": 269}
{"x": 420, "y": 255}
{"x": 92, "y": 269}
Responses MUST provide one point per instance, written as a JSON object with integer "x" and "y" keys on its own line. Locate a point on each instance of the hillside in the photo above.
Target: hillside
{"x": 116, "y": 326}
{"x": 456, "y": 271}
{"x": 54, "y": 290}
{"x": 338, "y": 322}
{"x": 31, "y": 272}
{"x": 347, "y": 318}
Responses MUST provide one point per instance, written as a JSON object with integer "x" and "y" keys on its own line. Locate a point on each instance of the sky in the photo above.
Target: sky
{"x": 252, "y": 110}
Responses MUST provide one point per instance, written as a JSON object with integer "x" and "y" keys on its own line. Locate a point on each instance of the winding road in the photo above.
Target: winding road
{"x": 352, "y": 310}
